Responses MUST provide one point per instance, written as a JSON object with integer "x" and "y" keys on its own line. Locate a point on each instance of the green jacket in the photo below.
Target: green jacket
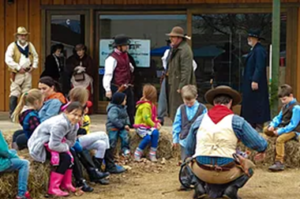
{"x": 5, "y": 154}
{"x": 180, "y": 73}
{"x": 146, "y": 115}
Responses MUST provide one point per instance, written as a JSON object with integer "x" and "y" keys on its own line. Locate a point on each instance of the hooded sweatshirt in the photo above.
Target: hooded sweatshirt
{"x": 146, "y": 115}
{"x": 117, "y": 117}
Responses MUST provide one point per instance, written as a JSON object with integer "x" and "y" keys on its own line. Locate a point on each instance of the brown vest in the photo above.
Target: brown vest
{"x": 287, "y": 113}
{"x": 17, "y": 55}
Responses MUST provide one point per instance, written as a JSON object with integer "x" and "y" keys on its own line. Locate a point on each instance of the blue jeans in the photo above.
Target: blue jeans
{"x": 153, "y": 138}
{"x": 113, "y": 139}
{"x": 23, "y": 167}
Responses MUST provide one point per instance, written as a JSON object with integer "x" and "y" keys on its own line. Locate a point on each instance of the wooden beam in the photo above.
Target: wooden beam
{"x": 2, "y": 50}
{"x": 298, "y": 56}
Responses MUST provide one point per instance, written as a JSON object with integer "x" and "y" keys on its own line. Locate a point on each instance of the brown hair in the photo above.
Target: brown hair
{"x": 79, "y": 94}
{"x": 222, "y": 99}
{"x": 189, "y": 92}
{"x": 149, "y": 93}
{"x": 75, "y": 106}
{"x": 27, "y": 99}
{"x": 285, "y": 91}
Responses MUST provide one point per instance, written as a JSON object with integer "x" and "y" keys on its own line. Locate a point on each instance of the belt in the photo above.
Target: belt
{"x": 226, "y": 167}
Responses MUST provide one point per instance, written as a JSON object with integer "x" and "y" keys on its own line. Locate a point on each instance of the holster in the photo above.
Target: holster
{"x": 13, "y": 76}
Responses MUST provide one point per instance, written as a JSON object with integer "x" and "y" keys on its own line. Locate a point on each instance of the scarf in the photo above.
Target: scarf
{"x": 218, "y": 112}
{"x": 25, "y": 51}
{"x": 58, "y": 96}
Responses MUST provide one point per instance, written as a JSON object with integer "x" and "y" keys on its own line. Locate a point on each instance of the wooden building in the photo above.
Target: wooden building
{"x": 218, "y": 29}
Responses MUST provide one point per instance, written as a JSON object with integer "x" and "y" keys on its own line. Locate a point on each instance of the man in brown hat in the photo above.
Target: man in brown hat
{"x": 212, "y": 142}
{"x": 179, "y": 69}
{"x": 21, "y": 58}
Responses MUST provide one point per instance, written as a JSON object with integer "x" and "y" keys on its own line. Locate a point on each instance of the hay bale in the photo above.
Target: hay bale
{"x": 164, "y": 149}
{"x": 37, "y": 181}
{"x": 292, "y": 153}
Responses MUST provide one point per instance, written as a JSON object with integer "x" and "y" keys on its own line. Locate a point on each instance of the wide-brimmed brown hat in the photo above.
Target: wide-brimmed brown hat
{"x": 21, "y": 31}
{"x": 223, "y": 90}
{"x": 177, "y": 31}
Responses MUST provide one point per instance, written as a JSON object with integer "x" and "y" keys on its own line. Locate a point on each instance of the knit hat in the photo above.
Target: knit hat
{"x": 118, "y": 98}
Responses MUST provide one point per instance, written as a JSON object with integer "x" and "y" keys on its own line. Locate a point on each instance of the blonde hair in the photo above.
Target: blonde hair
{"x": 79, "y": 94}
{"x": 149, "y": 93}
{"x": 189, "y": 92}
{"x": 27, "y": 99}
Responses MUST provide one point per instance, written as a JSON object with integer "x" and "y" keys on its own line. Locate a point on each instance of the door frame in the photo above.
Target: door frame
{"x": 103, "y": 104}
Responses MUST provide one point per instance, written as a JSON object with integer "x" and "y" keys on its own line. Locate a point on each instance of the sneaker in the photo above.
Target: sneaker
{"x": 26, "y": 196}
{"x": 126, "y": 153}
{"x": 153, "y": 158}
{"x": 117, "y": 169}
{"x": 278, "y": 166}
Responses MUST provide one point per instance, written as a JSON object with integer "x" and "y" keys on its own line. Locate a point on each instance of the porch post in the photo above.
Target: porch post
{"x": 275, "y": 56}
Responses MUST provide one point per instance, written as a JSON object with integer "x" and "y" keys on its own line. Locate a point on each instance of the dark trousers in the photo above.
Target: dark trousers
{"x": 64, "y": 162}
{"x": 130, "y": 102}
{"x": 20, "y": 139}
{"x": 77, "y": 168}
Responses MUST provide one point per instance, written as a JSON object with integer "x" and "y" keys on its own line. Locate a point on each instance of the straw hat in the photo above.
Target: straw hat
{"x": 223, "y": 90}
{"x": 177, "y": 32}
{"x": 21, "y": 31}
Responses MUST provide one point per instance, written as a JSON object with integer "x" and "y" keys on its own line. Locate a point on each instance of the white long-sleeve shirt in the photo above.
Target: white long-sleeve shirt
{"x": 165, "y": 57}
{"x": 109, "y": 68}
{"x": 24, "y": 62}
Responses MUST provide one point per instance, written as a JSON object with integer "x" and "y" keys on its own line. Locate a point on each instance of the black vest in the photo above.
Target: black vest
{"x": 185, "y": 123}
{"x": 287, "y": 113}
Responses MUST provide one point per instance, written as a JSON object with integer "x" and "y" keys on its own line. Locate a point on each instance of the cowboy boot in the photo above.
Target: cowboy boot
{"x": 110, "y": 166}
{"x": 13, "y": 102}
{"x": 84, "y": 186}
{"x": 199, "y": 191}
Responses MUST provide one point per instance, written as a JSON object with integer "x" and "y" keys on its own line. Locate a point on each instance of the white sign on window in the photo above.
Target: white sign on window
{"x": 139, "y": 49}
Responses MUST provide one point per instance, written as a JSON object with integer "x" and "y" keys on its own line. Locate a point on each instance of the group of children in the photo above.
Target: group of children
{"x": 62, "y": 137}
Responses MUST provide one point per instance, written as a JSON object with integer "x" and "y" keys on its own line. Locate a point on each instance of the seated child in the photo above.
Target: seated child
{"x": 146, "y": 123}
{"x": 285, "y": 126}
{"x": 9, "y": 162}
{"x": 117, "y": 124}
{"x": 27, "y": 115}
{"x": 185, "y": 116}
{"x": 59, "y": 132}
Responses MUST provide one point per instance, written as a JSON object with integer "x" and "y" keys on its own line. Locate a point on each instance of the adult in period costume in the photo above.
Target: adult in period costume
{"x": 255, "y": 105}
{"x": 179, "y": 69}
{"x": 54, "y": 64}
{"x": 212, "y": 142}
{"x": 118, "y": 74}
{"x": 81, "y": 68}
{"x": 21, "y": 58}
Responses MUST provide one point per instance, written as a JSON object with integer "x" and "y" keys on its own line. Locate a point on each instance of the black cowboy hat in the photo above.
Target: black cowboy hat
{"x": 121, "y": 40}
{"x": 255, "y": 33}
{"x": 223, "y": 90}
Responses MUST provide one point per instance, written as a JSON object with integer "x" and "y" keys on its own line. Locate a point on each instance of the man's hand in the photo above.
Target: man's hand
{"x": 22, "y": 71}
{"x": 260, "y": 157}
{"x": 127, "y": 128}
{"x": 254, "y": 86}
{"x": 108, "y": 94}
{"x": 30, "y": 70}
{"x": 271, "y": 128}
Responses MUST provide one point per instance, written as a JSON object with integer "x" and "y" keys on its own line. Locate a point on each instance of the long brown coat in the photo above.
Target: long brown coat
{"x": 180, "y": 73}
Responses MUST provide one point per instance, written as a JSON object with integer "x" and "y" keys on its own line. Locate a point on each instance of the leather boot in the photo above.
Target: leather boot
{"x": 13, "y": 102}
{"x": 94, "y": 174}
{"x": 110, "y": 165}
{"x": 84, "y": 186}
{"x": 98, "y": 163}
{"x": 54, "y": 184}
{"x": 231, "y": 192}
{"x": 199, "y": 191}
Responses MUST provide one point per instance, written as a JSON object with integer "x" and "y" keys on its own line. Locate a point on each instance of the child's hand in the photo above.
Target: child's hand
{"x": 175, "y": 145}
{"x": 271, "y": 128}
{"x": 275, "y": 133}
{"x": 158, "y": 126}
{"x": 127, "y": 128}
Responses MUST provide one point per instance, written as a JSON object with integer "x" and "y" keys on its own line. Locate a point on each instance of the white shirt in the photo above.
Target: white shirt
{"x": 165, "y": 57}
{"x": 109, "y": 68}
{"x": 24, "y": 62}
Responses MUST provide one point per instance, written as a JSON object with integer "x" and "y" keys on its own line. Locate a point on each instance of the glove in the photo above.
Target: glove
{"x": 54, "y": 161}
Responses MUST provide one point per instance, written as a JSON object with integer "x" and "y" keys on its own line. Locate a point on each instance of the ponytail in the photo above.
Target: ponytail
{"x": 19, "y": 108}
{"x": 27, "y": 99}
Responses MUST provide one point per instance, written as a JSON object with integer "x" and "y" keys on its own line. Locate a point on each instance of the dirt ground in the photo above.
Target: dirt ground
{"x": 146, "y": 181}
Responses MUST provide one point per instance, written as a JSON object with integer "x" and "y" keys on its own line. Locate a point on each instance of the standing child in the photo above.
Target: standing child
{"x": 284, "y": 126}
{"x": 27, "y": 115}
{"x": 118, "y": 122}
{"x": 59, "y": 132}
{"x": 146, "y": 123}
{"x": 186, "y": 114}
{"x": 9, "y": 161}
